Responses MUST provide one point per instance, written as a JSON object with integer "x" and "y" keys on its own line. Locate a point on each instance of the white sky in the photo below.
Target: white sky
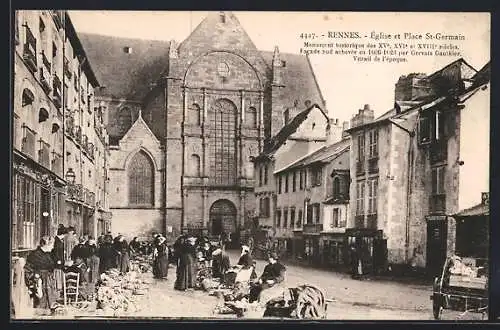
{"x": 345, "y": 85}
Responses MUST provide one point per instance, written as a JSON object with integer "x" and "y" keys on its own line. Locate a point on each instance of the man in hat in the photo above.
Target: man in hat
{"x": 270, "y": 284}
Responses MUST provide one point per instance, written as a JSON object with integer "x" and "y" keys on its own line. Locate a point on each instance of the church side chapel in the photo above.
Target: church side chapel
{"x": 185, "y": 119}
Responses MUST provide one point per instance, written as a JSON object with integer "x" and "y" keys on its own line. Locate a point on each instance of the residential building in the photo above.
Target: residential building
{"x": 59, "y": 145}
{"x": 211, "y": 102}
{"x": 305, "y": 133}
{"x": 312, "y": 214}
{"x": 54, "y": 137}
{"x": 409, "y": 176}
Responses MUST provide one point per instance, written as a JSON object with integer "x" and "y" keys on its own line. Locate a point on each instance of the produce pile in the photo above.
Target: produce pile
{"x": 117, "y": 293}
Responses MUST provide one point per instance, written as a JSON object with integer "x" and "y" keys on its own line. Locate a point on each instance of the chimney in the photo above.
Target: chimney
{"x": 412, "y": 87}
{"x": 364, "y": 116}
{"x": 345, "y": 127}
{"x": 333, "y": 131}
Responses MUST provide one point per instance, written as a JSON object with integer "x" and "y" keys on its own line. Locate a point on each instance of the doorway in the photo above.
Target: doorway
{"x": 222, "y": 218}
{"x": 437, "y": 231}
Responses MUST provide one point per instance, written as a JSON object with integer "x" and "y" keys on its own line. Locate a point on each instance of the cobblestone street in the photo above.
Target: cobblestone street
{"x": 353, "y": 300}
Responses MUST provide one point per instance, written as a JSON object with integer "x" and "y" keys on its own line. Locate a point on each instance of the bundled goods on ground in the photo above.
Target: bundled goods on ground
{"x": 116, "y": 291}
{"x": 141, "y": 264}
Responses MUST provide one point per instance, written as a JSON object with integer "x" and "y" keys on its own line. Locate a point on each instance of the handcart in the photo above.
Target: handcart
{"x": 462, "y": 286}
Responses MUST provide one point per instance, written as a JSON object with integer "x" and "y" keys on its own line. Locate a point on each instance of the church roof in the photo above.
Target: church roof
{"x": 126, "y": 75}
{"x": 130, "y": 75}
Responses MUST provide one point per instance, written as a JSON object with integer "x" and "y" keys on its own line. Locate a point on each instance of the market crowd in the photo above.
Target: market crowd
{"x": 54, "y": 257}
{"x": 200, "y": 263}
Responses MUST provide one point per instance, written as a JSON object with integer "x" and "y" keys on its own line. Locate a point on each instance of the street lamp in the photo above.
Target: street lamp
{"x": 70, "y": 176}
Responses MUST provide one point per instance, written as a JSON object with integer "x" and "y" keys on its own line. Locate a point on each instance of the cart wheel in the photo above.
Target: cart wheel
{"x": 436, "y": 308}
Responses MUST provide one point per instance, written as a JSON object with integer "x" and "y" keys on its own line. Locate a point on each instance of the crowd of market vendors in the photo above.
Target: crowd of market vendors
{"x": 67, "y": 252}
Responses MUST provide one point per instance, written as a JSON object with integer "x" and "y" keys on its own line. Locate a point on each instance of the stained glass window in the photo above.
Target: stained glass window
{"x": 141, "y": 180}
{"x": 223, "y": 143}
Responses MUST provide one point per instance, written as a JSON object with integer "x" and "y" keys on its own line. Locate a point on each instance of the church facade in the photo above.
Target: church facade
{"x": 185, "y": 121}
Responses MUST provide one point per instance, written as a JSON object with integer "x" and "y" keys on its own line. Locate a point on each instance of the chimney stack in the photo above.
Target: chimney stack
{"x": 364, "y": 116}
{"x": 345, "y": 127}
{"x": 412, "y": 87}
{"x": 333, "y": 131}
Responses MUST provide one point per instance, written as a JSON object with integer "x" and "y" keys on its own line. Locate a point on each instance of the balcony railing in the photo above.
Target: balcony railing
{"x": 45, "y": 80}
{"x": 360, "y": 167}
{"x": 78, "y": 134}
{"x": 29, "y": 51}
{"x": 75, "y": 191}
{"x": 438, "y": 151}
{"x": 371, "y": 221}
{"x": 312, "y": 228}
{"x": 359, "y": 221}
{"x": 437, "y": 204}
{"x": 57, "y": 91}
{"x": 373, "y": 165}
{"x": 46, "y": 62}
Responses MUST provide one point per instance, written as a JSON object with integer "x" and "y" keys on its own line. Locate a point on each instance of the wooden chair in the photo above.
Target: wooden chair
{"x": 71, "y": 287}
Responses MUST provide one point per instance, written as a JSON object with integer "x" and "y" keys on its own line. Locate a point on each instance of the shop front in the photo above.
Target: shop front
{"x": 36, "y": 198}
{"x": 334, "y": 251}
{"x": 367, "y": 245}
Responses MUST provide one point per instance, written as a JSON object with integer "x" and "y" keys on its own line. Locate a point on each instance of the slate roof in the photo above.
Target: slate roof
{"x": 129, "y": 76}
{"x": 324, "y": 154}
{"x": 477, "y": 77}
{"x": 480, "y": 209}
{"x": 124, "y": 75}
{"x": 298, "y": 78}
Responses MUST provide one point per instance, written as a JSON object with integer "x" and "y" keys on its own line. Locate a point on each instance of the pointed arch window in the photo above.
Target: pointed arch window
{"x": 223, "y": 143}
{"x": 141, "y": 180}
{"x": 27, "y": 97}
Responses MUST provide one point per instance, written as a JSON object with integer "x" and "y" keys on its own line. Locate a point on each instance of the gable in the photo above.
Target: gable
{"x": 139, "y": 131}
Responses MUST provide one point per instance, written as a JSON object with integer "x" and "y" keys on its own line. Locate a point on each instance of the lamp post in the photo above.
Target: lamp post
{"x": 70, "y": 176}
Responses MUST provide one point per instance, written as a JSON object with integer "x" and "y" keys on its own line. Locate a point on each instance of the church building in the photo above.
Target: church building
{"x": 186, "y": 119}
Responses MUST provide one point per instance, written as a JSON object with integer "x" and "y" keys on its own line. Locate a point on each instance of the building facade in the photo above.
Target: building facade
{"x": 312, "y": 204}
{"x": 408, "y": 178}
{"x": 57, "y": 155}
{"x": 211, "y": 102}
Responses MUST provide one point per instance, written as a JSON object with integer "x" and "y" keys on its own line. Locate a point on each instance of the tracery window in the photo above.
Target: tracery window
{"x": 141, "y": 180}
{"x": 223, "y": 142}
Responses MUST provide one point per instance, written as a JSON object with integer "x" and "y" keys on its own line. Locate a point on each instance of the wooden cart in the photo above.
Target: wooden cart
{"x": 467, "y": 293}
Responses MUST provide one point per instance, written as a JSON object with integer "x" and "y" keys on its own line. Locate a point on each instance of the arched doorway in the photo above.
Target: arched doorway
{"x": 223, "y": 218}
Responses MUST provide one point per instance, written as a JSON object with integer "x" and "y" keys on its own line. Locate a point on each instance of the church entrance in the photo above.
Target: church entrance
{"x": 223, "y": 220}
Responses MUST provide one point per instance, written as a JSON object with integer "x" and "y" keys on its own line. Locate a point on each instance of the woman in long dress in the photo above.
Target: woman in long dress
{"x": 123, "y": 252}
{"x": 39, "y": 272}
{"x": 185, "y": 266}
{"x": 58, "y": 256}
{"x": 107, "y": 254}
{"x": 93, "y": 261}
{"x": 160, "y": 267}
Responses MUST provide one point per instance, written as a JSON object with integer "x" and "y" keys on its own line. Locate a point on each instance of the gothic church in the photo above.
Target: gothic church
{"x": 185, "y": 119}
